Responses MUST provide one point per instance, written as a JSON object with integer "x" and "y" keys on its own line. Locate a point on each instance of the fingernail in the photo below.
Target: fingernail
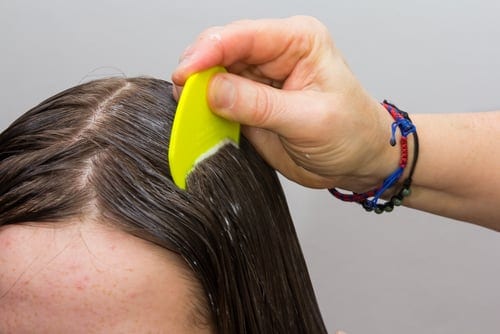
{"x": 223, "y": 93}
{"x": 176, "y": 91}
{"x": 187, "y": 51}
{"x": 186, "y": 55}
{"x": 183, "y": 62}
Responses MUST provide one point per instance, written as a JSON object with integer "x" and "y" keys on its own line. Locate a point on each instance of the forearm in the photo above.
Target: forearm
{"x": 458, "y": 170}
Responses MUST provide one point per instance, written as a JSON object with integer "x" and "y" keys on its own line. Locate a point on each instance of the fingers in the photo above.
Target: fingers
{"x": 291, "y": 114}
{"x": 242, "y": 43}
{"x": 271, "y": 149}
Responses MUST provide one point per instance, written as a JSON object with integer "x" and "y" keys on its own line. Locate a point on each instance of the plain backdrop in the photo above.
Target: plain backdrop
{"x": 404, "y": 272}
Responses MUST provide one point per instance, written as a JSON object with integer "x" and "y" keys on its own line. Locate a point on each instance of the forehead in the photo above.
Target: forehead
{"x": 85, "y": 276}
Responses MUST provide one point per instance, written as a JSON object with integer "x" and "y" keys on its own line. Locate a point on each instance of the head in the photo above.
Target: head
{"x": 94, "y": 235}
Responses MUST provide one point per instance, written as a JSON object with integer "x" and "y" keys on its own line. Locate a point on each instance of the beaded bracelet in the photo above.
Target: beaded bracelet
{"x": 370, "y": 199}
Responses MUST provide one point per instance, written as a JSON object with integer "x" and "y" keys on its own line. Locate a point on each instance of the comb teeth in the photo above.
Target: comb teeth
{"x": 197, "y": 133}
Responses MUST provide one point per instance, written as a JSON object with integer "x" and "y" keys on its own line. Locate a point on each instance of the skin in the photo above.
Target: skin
{"x": 311, "y": 119}
{"x": 87, "y": 277}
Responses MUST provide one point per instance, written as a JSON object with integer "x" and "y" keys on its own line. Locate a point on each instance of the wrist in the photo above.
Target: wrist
{"x": 384, "y": 158}
{"x": 370, "y": 199}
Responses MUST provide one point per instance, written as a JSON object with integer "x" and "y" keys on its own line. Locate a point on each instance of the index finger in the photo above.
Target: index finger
{"x": 275, "y": 46}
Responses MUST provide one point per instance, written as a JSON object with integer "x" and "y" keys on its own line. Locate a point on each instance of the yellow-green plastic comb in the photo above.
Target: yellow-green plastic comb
{"x": 197, "y": 132}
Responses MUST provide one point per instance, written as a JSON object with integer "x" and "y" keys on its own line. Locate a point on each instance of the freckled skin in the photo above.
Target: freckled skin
{"x": 87, "y": 277}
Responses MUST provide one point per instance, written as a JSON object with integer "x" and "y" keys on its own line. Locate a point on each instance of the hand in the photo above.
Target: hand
{"x": 304, "y": 110}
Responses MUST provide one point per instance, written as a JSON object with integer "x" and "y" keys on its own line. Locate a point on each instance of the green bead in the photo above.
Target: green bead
{"x": 396, "y": 201}
{"x": 378, "y": 210}
{"x": 406, "y": 192}
{"x": 388, "y": 208}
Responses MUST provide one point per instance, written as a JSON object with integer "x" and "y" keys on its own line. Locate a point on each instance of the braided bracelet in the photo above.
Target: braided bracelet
{"x": 370, "y": 200}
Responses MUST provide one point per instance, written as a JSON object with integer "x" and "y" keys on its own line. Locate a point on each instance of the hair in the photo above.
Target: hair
{"x": 99, "y": 150}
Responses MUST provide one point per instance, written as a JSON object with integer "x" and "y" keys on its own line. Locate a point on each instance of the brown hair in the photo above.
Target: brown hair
{"x": 100, "y": 150}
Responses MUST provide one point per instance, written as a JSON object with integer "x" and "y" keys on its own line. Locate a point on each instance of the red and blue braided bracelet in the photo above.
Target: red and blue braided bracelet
{"x": 371, "y": 200}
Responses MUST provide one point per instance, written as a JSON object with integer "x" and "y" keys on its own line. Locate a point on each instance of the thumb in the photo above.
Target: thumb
{"x": 255, "y": 104}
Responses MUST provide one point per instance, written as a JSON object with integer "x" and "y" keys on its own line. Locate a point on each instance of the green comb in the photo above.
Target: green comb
{"x": 197, "y": 133}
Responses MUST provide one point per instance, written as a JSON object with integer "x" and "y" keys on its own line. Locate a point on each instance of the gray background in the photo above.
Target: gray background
{"x": 405, "y": 272}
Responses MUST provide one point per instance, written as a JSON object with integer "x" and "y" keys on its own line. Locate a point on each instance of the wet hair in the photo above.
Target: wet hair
{"x": 99, "y": 150}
